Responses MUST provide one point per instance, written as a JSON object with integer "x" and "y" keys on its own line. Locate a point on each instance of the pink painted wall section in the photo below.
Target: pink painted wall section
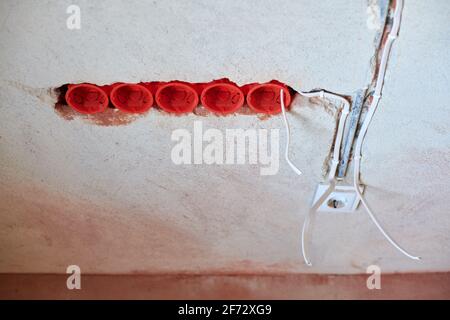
{"x": 393, "y": 286}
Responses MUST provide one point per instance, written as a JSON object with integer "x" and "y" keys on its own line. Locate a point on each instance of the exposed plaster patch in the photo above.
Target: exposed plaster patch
{"x": 377, "y": 11}
{"x": 374, "y": 16}
{"x": 381, "y": 11}
{"x": 331, "y": 109}
{"x": 54, "y": 97}
{"x": 244, "y": 111}
{"x": 328, "y": 106}
{"x": 110, "y": 117}
{"x": 46, "y": 95}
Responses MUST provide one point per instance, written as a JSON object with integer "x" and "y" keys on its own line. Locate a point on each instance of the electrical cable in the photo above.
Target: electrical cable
{"x": 376, "y": 95}
{"x": 334, "y": 163}
{"x": 288, "y": 134}
{"x": 307, "y": 220}
{"x": 372, "y": 108}
{"x": 340, "y": 131}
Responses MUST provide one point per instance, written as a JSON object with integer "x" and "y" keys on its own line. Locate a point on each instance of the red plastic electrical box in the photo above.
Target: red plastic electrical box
{"x": 132, "y": 98}
{"x": 177, "y": 97}
{"x": 86, "y": 98}
{"x": 222, "y": 97}
{"x": 265, "y": 98}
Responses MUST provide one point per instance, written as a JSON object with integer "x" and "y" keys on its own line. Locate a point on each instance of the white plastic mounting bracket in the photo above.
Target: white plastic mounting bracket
{"x": 342, "y": 199}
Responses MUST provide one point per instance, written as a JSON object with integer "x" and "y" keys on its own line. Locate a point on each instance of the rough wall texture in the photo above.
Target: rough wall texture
{"x": 304, "y": 43}
{"x": 109, "y": 199}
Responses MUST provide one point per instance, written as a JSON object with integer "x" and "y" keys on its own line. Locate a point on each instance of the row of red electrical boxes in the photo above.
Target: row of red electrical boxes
{"x": 218, "y": 96}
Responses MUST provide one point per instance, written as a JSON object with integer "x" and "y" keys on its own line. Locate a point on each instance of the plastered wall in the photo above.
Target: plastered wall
{"x": 109, "y": 198}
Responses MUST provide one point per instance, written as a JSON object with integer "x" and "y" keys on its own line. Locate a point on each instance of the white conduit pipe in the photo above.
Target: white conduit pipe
{"x": 340, "y": 131}
{"x": 339, "y": 135}
{"x": 334, "y": 163}
{"x": 371, "y": 110}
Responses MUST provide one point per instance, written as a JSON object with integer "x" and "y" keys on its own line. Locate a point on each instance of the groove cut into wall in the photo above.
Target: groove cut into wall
{"x": 257, "y": 98}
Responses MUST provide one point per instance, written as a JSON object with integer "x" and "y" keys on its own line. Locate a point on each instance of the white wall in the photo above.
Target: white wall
{"x": 109, "y": 199}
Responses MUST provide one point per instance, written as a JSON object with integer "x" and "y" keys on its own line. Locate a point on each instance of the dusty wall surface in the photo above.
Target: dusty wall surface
{"x": 109, "y": 198}
{"x": 302, "y": 43}
{"x": 407, "y": 151}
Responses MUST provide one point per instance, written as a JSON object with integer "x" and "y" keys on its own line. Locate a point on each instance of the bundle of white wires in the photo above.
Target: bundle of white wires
{"x": 337, "y": 146}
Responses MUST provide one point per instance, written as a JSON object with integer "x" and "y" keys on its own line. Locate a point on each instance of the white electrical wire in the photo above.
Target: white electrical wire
{"x": 305, "y": 227}
{"x": 340, "y": 131}
{"x": 372, "y": 107}
{"x": 334, "y": 163}
{"x": 371, "y": 215}
{"x": 307, "y": 220}
{"x": 288, "y": 134}
{"x": 357, "y": 157}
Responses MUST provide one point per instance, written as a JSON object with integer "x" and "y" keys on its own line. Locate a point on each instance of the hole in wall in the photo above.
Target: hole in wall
{"x": 109, "y": 117}
{"x": 113, "y": 116}
{"x": 335, "y": 203}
